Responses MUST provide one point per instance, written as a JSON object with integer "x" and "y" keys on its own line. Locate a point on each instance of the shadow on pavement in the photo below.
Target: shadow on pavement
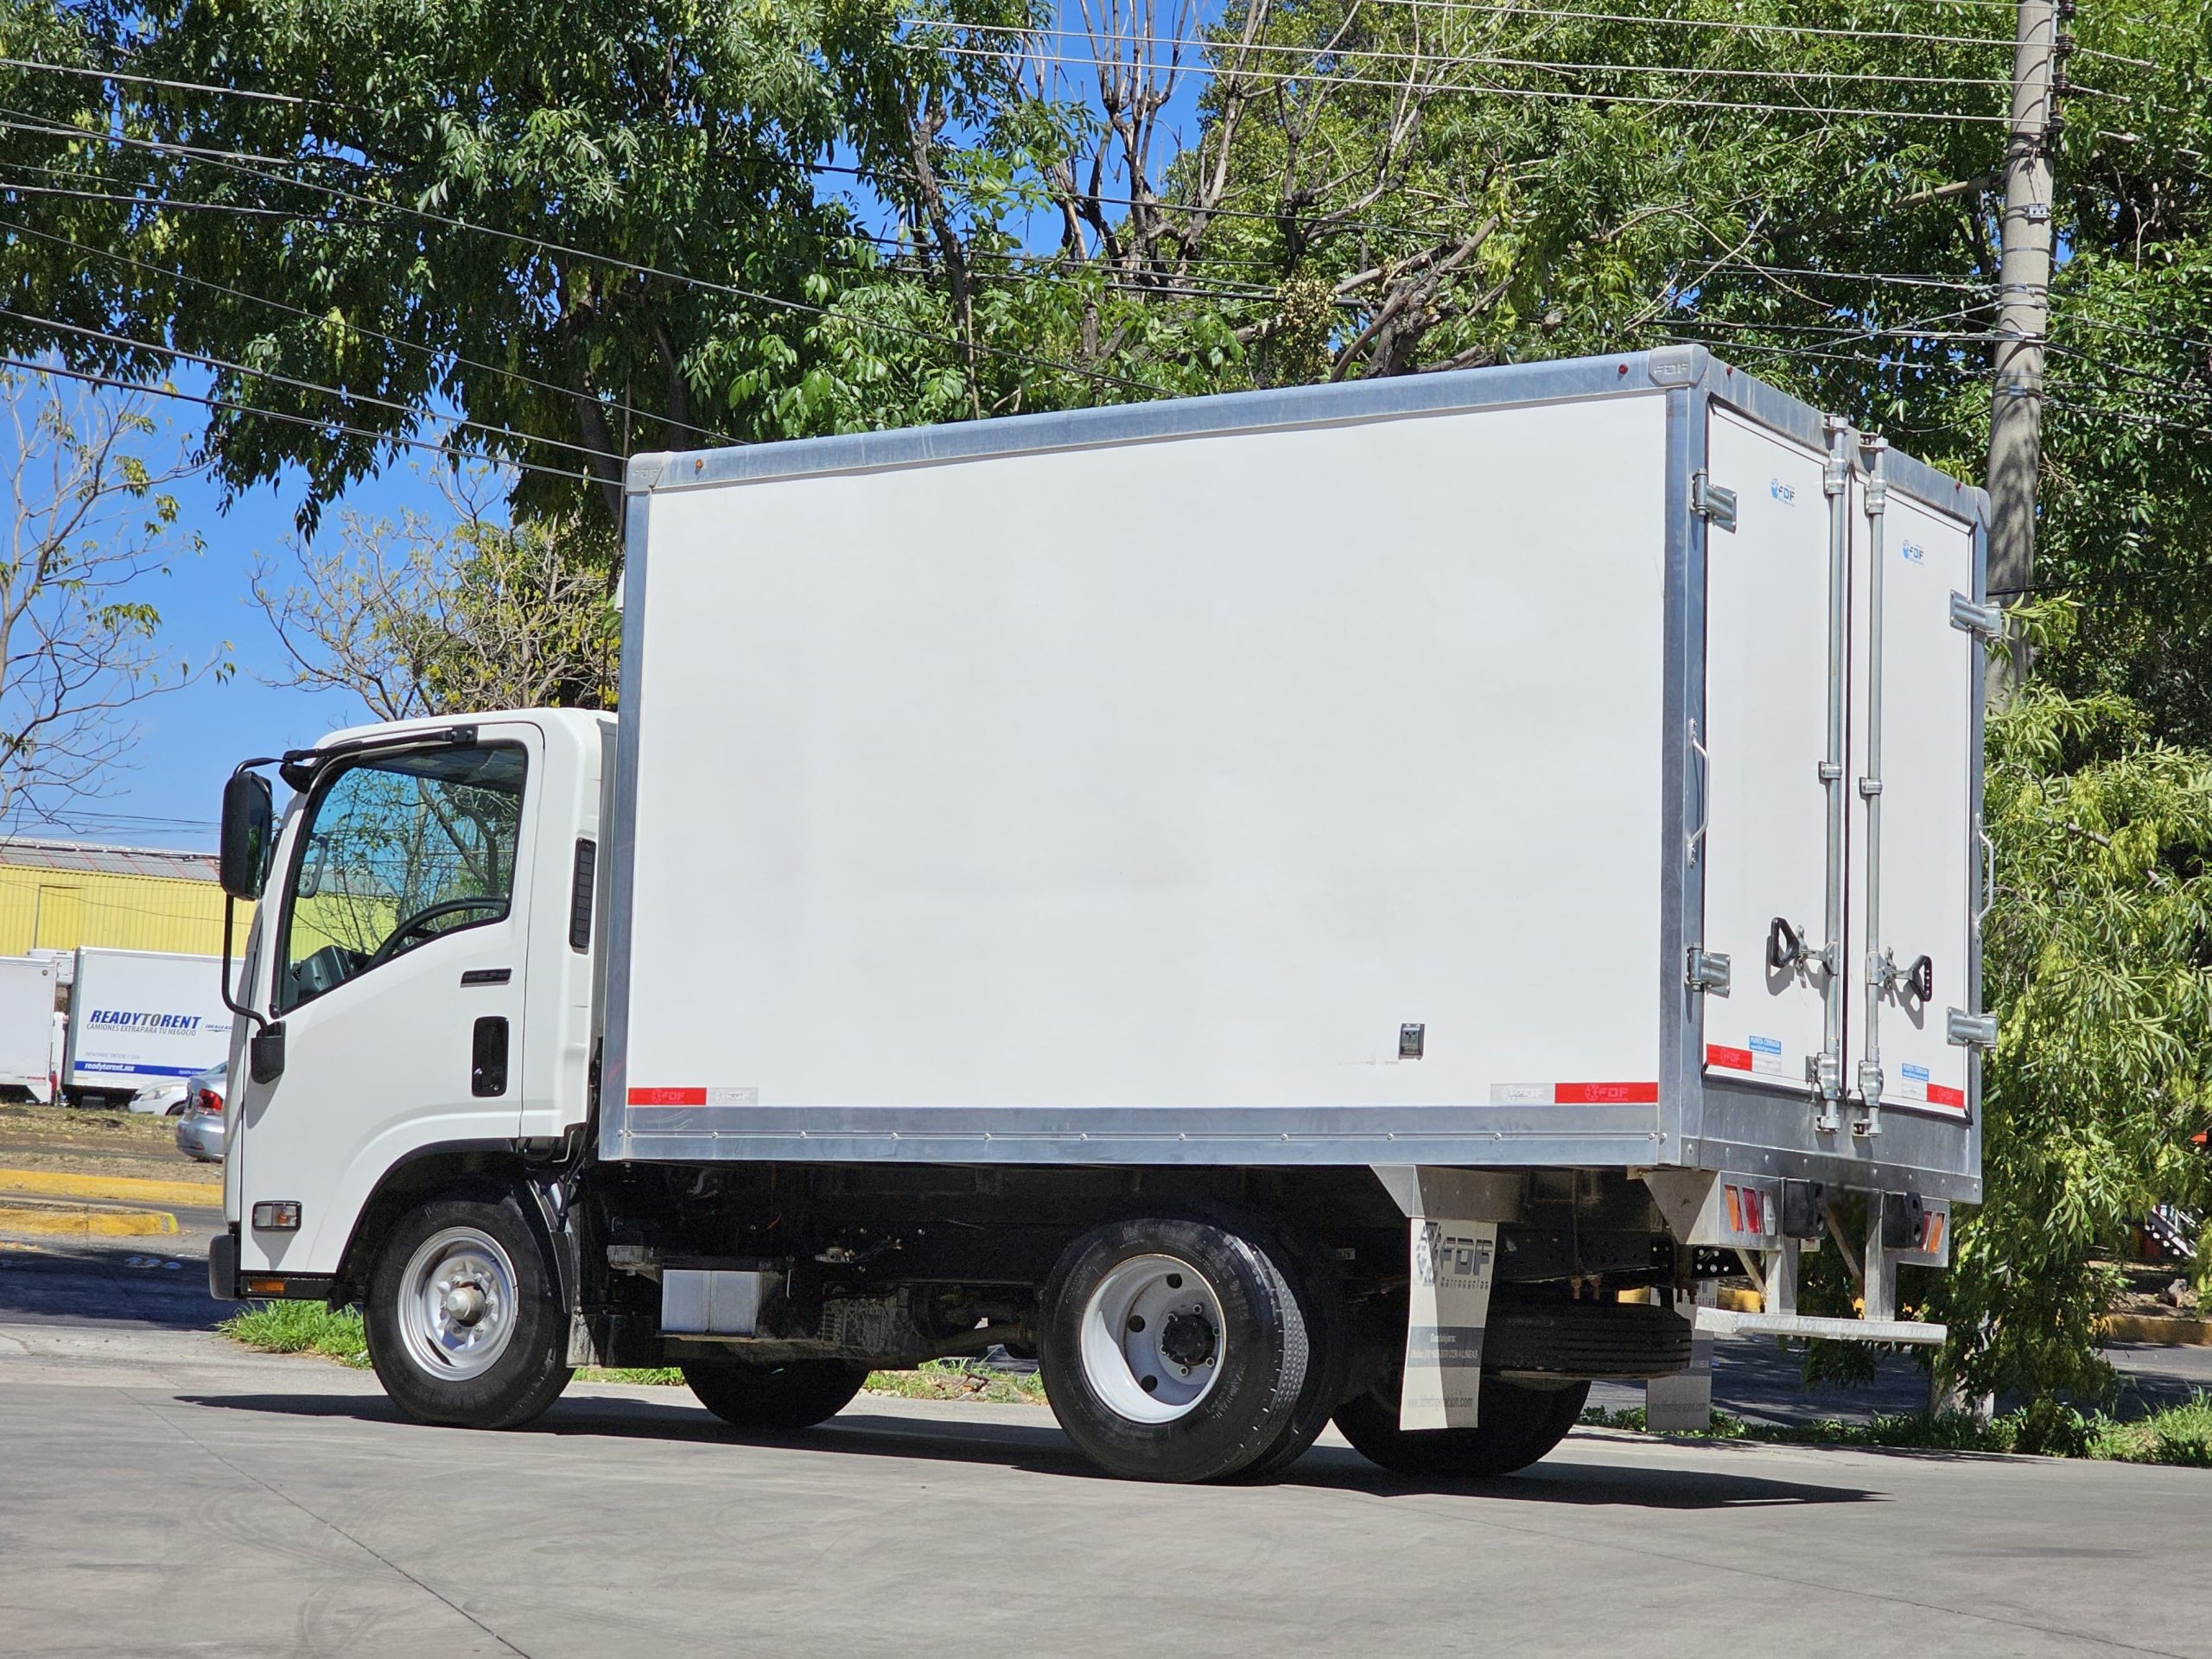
{"x": 125, "y": 1280}
{"x": 1040, "y": 1449}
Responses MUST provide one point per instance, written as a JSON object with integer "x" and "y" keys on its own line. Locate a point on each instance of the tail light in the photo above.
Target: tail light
{"x": 208, "y": 1102}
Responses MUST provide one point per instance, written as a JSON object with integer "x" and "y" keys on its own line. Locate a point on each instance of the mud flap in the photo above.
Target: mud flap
{"x": 1452, "y": 1265}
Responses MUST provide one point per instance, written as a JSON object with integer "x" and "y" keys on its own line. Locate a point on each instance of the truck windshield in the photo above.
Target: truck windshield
{"x": 399, "y": 850}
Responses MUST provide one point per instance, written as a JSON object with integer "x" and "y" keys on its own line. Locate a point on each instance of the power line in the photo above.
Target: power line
{"x": 1727, "y": 25}
{"x": 432, "y": 352}
{"x": 228, "y": 366}
{"x": 319, "y": 425}
{"x": 140, "y": 201}
{"x": 614, "y": 260}
{"x": 1277, "y": 77}
{"x": 1456, "y": 60}
{"x": 1903, "y": 279}
{"x": 169, "y": 85}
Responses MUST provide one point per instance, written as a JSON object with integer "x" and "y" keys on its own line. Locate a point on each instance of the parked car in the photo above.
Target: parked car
{"x": 200, "y": 1130}
{"x": 161, "y": 1099}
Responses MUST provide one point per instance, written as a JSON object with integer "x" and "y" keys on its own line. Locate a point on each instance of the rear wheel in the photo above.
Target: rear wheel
{"x": 1174, "y": 1349}
{"x": 774, "y": 1399}
{"x": 464, "y": 1324}
{"x": 1517, "y": 1425}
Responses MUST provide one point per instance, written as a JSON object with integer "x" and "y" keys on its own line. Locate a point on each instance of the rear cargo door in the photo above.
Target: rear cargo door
{"x": 1766, "y": 699}
{"x": 1917, "y": 903}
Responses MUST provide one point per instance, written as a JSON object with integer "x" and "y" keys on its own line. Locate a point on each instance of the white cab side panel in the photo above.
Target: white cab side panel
{"x": 1929, "y": 684}
{"x": 379, "y": 1067}
{"x": 1766, "y": 700}
{"x": 1172, "y": 773}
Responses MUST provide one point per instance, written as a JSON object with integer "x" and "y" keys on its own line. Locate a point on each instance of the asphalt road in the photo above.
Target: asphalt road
{"x": 163, "y": 1493}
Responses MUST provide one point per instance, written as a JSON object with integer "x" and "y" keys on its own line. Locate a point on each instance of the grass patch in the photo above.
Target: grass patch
{"x": 311, "y": 1328}
{"x": 301, "y": 1328}
{"x": 2178, "y": 1434}
{"x": 960, "y": 1379}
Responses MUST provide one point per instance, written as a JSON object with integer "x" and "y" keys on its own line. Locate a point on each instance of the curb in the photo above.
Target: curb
{"x": 2143, "y": 1327}
{"x": 87, "y": 1224}
{"x": 63, "y": 1184}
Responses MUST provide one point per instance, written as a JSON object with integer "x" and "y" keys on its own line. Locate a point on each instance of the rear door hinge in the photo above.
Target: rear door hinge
{"x": 1984, "y": 619}
{"x": 1709, "y": 501}
{"x": 1706, "y": 971}
{"x": 1971, "y": 1030}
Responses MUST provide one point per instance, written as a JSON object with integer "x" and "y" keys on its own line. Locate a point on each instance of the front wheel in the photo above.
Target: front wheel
{"x": 463, "y": 1321}
{"x": 1516, "y": 1426}
{"x": 774, "y": 1399}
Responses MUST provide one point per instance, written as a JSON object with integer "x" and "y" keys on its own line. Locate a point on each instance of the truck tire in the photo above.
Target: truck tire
{"x": 464, "y": 1324}
{"x": 774, "y": 1399}
{"x": 1319, "y": 1292}
{"x": 1518, "y": 1424}
{"x": 1174, "y": 1349}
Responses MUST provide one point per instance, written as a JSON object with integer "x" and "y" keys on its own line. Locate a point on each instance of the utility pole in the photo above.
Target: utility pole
{"x": 2023, "y": 317}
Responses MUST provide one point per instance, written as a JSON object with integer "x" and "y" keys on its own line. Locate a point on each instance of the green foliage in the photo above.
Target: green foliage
{"x": 2180, "y": 1434}
{"x": 2096, "y": 963}
{"x": 301, "y": 1328}
{"x": 958, "y": 1379}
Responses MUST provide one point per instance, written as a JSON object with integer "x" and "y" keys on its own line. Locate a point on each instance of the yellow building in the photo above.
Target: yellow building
{"x": 55, "y": 895}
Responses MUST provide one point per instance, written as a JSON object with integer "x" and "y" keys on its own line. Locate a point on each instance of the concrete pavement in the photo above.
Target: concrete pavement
{"x": 161, "y": 1493}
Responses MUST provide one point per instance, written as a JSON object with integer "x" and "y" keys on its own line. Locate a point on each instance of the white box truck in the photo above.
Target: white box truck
{"x": 1284, "y": 906}
{"x": 27, "y": 1006}
{"x": 138, "y": 1017}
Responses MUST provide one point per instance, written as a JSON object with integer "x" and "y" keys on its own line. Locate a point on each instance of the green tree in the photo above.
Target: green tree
{"x": 2097, "y": 963}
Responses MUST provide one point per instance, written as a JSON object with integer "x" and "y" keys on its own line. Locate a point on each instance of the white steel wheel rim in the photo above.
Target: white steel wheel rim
{"x": 457, "y": 1302}
{"x": 1151, "y": 1340}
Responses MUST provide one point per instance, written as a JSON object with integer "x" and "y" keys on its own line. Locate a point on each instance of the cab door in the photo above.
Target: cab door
{"x": 393, "y": 956}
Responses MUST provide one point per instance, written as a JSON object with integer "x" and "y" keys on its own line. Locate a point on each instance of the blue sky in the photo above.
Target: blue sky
{"x": 189, "y": 740}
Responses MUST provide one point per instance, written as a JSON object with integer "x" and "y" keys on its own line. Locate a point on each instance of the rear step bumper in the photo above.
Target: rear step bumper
{"x": 1722, "y": 1322}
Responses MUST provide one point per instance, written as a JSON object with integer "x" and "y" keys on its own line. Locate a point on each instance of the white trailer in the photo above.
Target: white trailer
{"x": 1283, "y": 904}
{"x": 138, "y": 1017}
{"x": 27, "y": 999}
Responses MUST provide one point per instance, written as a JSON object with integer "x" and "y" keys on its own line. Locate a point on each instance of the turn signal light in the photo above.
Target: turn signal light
{"x": 277, "y": 1216}
{"x": 264, "y": 1286}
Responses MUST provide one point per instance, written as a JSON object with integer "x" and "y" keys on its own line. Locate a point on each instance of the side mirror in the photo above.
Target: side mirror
{"x": 247, "y": 817}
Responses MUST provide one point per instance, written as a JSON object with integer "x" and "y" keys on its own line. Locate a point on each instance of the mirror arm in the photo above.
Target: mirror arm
{"x": 230, "y": 917}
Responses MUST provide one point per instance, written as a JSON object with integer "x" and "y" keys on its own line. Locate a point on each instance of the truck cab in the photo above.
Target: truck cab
{"x": 429, "y": 880}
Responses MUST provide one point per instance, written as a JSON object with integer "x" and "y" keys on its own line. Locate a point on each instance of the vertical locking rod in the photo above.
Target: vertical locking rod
{"x": 1874, "y": 451}
{"x": 1828, "y": 1078}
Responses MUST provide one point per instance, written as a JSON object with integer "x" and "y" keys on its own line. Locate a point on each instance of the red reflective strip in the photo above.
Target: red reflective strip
{"x": 1736, "y": 1059}
{"x": 1605, "y": 1094}
{"x": 1939, "y": 1096}
{"x": 668, "y": 1096}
